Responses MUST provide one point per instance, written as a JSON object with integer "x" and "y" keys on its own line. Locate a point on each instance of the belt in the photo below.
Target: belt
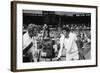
{"x": 73, "y": 52}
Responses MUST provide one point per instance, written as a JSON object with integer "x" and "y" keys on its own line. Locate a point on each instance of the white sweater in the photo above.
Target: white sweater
{"x": 69, "y": 44}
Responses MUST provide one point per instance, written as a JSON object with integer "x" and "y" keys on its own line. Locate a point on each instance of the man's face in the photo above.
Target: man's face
{"x": 65, "y": 33}
{"x": 32, "y": 32}
{"x": 35, "y": 32}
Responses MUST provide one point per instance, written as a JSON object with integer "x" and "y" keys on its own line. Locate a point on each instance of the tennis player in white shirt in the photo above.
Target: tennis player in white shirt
{"x": 68, "y": 41}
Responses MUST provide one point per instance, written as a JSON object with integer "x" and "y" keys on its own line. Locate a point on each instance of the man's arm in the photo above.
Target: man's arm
{"x": 61, "y": 46}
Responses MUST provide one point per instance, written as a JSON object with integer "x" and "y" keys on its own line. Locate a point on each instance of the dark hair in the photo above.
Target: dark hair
{"x": 66, "y": 28}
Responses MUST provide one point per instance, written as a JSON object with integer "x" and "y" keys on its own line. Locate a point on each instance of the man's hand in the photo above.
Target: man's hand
{"x": 58, "y": 59}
